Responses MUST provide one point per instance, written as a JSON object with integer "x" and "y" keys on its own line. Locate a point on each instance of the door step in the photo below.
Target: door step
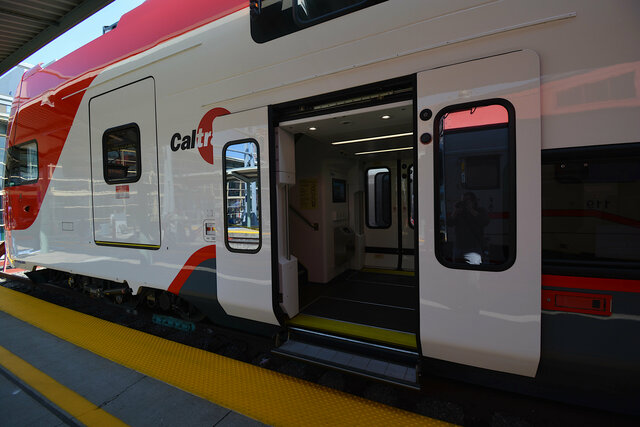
{"x": 399, "y": 367}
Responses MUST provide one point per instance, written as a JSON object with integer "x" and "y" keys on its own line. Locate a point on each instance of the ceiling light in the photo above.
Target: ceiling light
{"x": 384, "y": 151}
{"x": 313, "y": 128}
{"x": 385, "y": 117}
{"x": 373, "y": 138}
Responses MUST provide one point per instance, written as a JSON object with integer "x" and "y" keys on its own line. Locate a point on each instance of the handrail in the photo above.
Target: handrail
{"x": 314, "y": 225}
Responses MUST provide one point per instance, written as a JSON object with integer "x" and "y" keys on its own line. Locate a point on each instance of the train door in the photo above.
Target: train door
{"x": 479, "y": 212}
{"x": 245, "y": 243}
{"x": 388, "y": 233}
{"x": 407, "y": 215}
{"x": 358, "y": 304}
{"x": 124, "y": 167}
{"x": 347, "y": 209}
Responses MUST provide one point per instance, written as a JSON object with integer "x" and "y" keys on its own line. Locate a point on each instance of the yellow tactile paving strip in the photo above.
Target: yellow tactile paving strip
{"x": 66, "y": 399}
{"x": 264, "y": 395}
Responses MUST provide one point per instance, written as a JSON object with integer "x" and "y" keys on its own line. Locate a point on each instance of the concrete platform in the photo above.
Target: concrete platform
{"x": 129, "y": 396}
{"x": 84, "y": 370}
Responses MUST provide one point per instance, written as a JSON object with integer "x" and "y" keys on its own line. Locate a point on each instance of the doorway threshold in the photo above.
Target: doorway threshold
{"x": 385, "y": 271}
{"x": 354, "y": 330}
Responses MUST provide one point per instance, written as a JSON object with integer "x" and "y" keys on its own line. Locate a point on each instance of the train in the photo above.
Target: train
{"x": 392, "y": 188}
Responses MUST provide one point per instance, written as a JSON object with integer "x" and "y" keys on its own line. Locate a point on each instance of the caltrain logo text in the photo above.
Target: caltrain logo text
{"x": 202, "y": 138}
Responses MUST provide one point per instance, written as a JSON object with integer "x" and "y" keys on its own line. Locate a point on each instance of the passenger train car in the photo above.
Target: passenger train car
{"x": 389, "y": 187}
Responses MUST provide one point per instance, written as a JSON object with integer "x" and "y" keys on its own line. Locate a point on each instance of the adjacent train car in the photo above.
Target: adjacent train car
{"x": 394, "y": 186}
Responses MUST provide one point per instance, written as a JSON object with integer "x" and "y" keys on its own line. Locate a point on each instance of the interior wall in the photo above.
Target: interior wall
{"x": 306, "y": 197}
{"x": 312, "y": 197}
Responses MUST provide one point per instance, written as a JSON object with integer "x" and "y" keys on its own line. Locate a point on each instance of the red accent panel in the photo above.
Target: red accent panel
{"x": 44, "y": 114}
{"x": 206, "y": 125}
{"x": 593, "y": 283}
{"x": 591, "y": 214}
{"x": 576, "y": 302}
{"x": 481, "y": 116}
{"x": 201, "y": 255}
{"x": 49, "y": 127}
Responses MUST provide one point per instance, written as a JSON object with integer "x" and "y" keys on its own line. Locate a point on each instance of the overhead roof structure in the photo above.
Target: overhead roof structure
{"x": 27, "y": 25}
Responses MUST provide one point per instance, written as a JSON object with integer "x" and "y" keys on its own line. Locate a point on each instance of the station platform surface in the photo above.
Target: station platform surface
{"x": 58, "y": 367}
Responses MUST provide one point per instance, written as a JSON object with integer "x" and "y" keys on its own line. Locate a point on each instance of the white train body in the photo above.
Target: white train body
{"x": 565, "y": 73}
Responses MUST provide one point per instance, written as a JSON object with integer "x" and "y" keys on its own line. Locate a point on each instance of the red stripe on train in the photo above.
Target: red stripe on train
{"x": 591, "y": 283}
{"x": 198, "y": 257}
{"x": 591, "y": 214}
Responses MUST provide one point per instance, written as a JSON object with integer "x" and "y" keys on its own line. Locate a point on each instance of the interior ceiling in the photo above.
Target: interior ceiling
{"x": 28, "y": 25}
{"x": 364, "y": 123}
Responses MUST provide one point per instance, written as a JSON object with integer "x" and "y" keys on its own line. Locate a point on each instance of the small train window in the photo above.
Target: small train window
{"x": 378, "y": 198}
{"x": 475, "y": 186}
{"x": 22, "y": 164}
{"x": 121, "y": 154}
{"x": 242, "y": 196}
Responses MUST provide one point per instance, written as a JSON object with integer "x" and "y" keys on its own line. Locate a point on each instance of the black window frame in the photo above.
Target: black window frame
{"x": 366, "y": 194}
{"x": 437, "y": 174}
{"x": 105, "y": 151}
{"x": 267, "y": 25}
{"x": 8, "y": 164}
{"x": 224, "y": 195}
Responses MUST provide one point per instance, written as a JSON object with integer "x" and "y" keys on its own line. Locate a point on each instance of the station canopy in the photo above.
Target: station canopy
{"x": 27, "y": 25}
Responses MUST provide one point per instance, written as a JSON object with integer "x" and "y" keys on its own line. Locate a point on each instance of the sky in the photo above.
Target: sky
{"x": 83, "y": 33}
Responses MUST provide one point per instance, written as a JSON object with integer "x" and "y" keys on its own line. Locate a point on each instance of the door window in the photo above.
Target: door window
{"x": 121, "y": 154}
{"x": 378, "y": 198}
{"x": 475, "y": 186}
{"x": 242, "y": 196}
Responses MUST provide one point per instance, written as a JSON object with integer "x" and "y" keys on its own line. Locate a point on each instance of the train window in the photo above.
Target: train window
{"x": 121, "y": 154}
{"x": 411, "y": 209}
{"x": 475, "y": 186}
{"x": 242, "y": 196}
{"x": 591, "y": 207}
{"x": 271, "y": 19}
{"x": 378, "y": 198}
{"x": 308, "y": 11}
{"x": 22, "y": 164}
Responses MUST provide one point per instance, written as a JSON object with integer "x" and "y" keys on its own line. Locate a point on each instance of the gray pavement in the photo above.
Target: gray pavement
{"x": 134, "y": 398}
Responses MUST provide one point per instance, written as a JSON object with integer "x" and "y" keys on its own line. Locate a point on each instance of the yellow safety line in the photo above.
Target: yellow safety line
{"x": 133, "y": 245}
{"x": 243, "y": 231}
{"x": 384, "y": 271}
{"x": 66, "y": 399}
{"x": 380, "y": 335}
{"x": 267, "y": 396}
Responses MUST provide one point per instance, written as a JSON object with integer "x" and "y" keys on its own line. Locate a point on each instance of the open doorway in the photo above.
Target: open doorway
{"x": 351, "y": 222}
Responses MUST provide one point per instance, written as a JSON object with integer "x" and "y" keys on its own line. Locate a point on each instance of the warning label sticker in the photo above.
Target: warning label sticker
{"x": 209, "y": 229}
{"x": 122, "y": 191}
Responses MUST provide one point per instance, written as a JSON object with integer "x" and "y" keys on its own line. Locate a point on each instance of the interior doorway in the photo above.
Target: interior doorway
{"x": 351, "y": 222}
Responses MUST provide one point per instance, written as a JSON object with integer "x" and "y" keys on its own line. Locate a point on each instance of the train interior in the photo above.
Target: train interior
{"x": 351, "y": 223}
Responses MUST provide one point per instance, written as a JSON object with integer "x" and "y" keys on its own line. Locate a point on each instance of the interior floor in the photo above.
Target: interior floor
{"x": 374, "y": 299}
